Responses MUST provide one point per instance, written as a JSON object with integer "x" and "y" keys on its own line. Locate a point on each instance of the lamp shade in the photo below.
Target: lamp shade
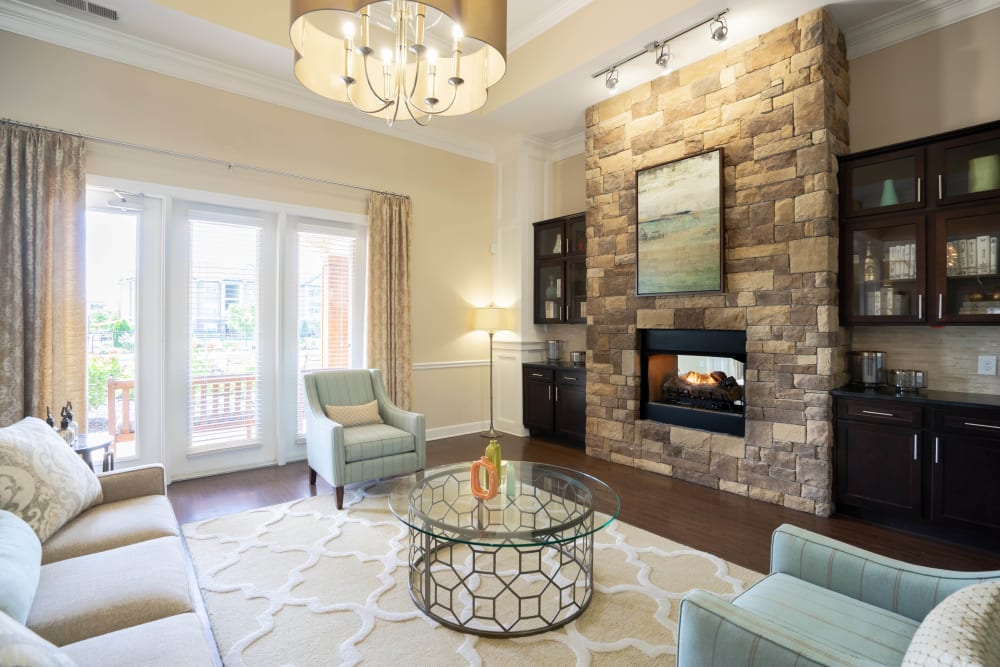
{"x": 490, "y": 319}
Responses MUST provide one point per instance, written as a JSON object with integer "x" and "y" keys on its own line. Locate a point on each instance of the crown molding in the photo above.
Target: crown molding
{"x": 69, "y": 32}
{"x": 570, "y": 146}
{"x": 912, "y": 20}
{"x": 554, "y": 13}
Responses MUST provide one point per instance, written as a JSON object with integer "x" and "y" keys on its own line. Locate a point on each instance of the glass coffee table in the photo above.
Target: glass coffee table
{"x": 517, "y": 564}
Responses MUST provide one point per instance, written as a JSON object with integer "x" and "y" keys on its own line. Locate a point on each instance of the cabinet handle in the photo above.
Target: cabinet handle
{"x": 568, "y": 378}
{"x": 550, "y": 392}
{"x": 940, "y": 188}
{"x": 914, "y": 446}
{"x": 537, "y": 375}
{"x": 920, "y": 306}
{"x": 974, "y": 424}
{"x": 937, "y": 450}
{"x": 557, "y": 394}
{"x": 940, "y": 306}
{"x": 880, "y": 414}
{"x": 918, "y": 189}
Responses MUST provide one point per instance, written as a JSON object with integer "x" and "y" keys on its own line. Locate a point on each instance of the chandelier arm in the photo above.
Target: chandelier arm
{"x": 413, "y": 116}
{"x": 412, "y": 104}
{"x": 368, "y": 80}
{"x": 354, "y": 104}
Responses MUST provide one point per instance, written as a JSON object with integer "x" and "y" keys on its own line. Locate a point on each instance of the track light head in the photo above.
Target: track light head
{"x": 718, "y": 28}
{"x": 663, "y": 57}
{"x": 611, "y": 81}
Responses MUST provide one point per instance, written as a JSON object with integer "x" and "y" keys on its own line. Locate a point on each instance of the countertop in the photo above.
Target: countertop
{"x": 923, "y": 396}
{"x": 554, "y": 364}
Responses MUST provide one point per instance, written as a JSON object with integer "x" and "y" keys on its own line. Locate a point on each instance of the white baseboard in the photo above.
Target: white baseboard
{"x": 455, "y": 429}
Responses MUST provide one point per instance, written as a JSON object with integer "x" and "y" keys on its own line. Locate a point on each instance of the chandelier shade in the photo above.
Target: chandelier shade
{"x": 400, "y": 59}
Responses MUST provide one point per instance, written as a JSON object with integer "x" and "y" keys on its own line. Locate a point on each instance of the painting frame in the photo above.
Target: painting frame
{"x": 680, "y": 215}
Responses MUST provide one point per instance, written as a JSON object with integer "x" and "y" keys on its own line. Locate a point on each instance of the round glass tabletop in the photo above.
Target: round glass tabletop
{"x": 536, "y": 504}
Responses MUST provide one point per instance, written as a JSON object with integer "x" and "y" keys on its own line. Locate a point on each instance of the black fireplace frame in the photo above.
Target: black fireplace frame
{"x": 711, "y": 343}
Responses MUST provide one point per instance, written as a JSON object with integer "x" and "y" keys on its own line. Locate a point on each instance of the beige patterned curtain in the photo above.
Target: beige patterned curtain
{"x": 389, "y": 293}
{"x": 42, "y": 252}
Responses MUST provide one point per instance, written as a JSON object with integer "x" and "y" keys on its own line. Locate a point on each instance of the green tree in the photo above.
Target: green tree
{"x": 99, "y": 371}
{"x": 242, "y": 319}
{"x": 121, "y": 335}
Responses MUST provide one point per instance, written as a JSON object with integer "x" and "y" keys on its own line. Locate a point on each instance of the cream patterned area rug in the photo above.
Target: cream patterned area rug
{"x": 303, "y": 584}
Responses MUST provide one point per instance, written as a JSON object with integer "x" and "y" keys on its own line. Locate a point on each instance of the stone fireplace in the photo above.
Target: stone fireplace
{"x": 777, "y": 106}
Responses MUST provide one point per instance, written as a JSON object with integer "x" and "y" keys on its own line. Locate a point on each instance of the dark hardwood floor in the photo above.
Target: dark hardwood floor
{"x": 732, "y": 527}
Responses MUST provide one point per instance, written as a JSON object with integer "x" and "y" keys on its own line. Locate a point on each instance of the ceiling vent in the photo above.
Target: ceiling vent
{"x": 91, "y": 8}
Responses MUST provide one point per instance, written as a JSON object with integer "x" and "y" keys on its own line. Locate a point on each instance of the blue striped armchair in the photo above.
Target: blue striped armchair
{"x": 379, "y": 444}
{"x": 828, "y": 603}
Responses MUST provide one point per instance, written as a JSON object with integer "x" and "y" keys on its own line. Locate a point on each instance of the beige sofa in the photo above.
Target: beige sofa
{"x": 115, "y": 585}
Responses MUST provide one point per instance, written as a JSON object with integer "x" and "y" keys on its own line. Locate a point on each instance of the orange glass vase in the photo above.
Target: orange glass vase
{"x": 492, "y": 475}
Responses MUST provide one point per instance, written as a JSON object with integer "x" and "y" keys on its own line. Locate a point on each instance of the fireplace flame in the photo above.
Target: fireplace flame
{"x": 694, "y": 377}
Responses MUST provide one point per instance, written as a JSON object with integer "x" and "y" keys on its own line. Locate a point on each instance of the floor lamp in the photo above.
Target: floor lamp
{"x": 490, "y": 319}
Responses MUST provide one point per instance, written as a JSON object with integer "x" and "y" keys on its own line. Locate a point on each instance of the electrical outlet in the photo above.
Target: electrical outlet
{"x": 987, "y": 364}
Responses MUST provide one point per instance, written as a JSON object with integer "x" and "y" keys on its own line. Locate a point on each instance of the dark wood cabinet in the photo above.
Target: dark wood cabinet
{"x": 554, "y": 400}
{"x": 928, "y": 462}
{"x": 560, "y": 270}
{"x": 965, "y": 471}
{"x": 878, "y": 458}
{"x": 920, "y": 228}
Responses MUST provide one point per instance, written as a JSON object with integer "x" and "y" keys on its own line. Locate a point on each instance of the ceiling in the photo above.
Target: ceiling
{"x": 554, "y": 48}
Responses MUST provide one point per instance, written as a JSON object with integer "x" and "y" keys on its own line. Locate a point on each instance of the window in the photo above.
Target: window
{"x": 330, "y": 293}
{"x": 224, "y": 346}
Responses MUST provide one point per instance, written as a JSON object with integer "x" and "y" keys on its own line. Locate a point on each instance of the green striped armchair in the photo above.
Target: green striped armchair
{"x": 363, "y": 443}
{"x": 828, "y": 603}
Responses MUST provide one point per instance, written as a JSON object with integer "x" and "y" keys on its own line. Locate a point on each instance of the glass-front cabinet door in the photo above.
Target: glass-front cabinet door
{"x": 968, "y": 168}
{"x": 549, "y": 283}
{"x": 549, "y": 241}
{"x": 967, "y": 280}
{"x": 576, "y": 233}
{"x": 885, "y": 276}
{"x": 883, "y": 183}
{"x": 576, "y": 278}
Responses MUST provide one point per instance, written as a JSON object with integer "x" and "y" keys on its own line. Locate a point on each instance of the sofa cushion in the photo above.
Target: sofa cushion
{"x": 166, "y": 642}
{"x": 99, "y": 593}
{"x": 354, "y": 415}
{"x": 112, "y": 525}
{"x": 376, "y": 441}
{"x": 962, "y": 631}
{"x": 42, "y": 480}
{"x": 20, "y": 562}
{"x": 835, "y": 620}
{"x": 20, "y": 646}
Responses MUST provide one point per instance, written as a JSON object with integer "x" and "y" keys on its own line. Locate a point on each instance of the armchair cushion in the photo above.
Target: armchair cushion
{"x": 354, "y": 415}
{"x": 20, "y": 565}
{"x": 836, "y": 621}
{"x": 375, "y": 441}
{"x": 964, "y": 630}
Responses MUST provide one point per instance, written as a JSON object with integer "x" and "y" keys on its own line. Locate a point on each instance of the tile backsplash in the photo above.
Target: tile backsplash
{"x": 948, "y": 355}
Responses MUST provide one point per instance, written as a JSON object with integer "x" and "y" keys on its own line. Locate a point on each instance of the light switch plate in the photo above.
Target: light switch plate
{"x": 987, "y": 364}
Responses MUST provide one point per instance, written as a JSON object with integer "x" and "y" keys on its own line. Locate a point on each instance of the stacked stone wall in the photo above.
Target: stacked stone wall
{"x": 777, "y": 106}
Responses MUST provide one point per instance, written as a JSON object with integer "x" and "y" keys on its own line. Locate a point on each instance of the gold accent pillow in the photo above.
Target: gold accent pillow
{"x": 354, "y": 415}
{"x": 42, "y": 480}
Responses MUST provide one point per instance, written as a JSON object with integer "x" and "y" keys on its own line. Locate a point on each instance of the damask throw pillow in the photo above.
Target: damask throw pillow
{"x": 354, "y": 415}
{"x": 963, "y": 630}
{"x": 21, "y": 646}
{"x": 42, "y": 480}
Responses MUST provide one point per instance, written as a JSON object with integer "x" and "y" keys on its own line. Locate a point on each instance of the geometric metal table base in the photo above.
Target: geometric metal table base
{"x": 507, "y": 591}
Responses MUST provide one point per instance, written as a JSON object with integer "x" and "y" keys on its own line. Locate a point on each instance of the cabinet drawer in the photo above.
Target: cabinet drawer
{"x": 572, "y": 378}
{"x": 538, "y": 374}
{"x": 881, "y": 412}
{"x": 981, "y": 423}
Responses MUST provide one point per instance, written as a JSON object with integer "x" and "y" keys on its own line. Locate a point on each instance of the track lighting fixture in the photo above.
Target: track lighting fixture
{"x": 718, "y": 28}
{"x": 611, "y": 81}
{"x": 661, "y": 49}
{"x": 663, "y": 56}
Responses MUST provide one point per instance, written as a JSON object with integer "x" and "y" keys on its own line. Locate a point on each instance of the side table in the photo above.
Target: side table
{"x": 88, "y": 442}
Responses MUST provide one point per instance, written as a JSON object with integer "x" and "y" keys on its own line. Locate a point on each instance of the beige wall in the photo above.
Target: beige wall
{"x": 943, "y": 80}
{"x": 569, "y": 186}
{"x": 452, "y": 196}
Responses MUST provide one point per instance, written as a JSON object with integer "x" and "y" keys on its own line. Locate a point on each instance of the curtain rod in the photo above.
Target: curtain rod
{"x": 202, "y": 158}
